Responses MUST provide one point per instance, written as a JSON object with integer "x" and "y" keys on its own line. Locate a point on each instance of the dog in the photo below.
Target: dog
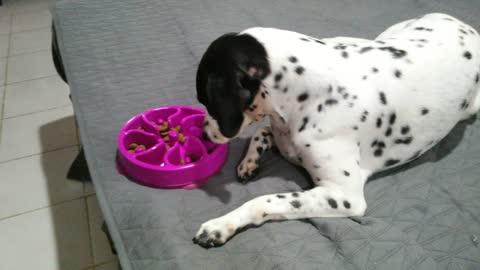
{"x": 342, "y": 108}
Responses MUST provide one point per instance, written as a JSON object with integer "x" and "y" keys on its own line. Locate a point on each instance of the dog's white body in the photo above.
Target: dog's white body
{"x": 344, "y": 108}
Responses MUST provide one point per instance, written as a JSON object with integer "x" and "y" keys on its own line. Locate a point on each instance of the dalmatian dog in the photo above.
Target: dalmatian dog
{"x": 342, "y": 108}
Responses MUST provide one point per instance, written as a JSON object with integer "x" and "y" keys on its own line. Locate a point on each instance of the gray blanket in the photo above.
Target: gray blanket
{"x": 125, "y": 56}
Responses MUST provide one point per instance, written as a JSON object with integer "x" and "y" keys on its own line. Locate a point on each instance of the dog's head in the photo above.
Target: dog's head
{"x": 228, "y": 79}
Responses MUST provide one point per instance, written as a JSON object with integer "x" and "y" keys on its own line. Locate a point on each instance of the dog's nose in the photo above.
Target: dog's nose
{"x": 205, "y": 136}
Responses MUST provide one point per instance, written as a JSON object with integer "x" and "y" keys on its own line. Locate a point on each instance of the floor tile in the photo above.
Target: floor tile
{"x": 49, "y": 238}
{"x": 31, "y": 20}
{"x": 36, "y": 133}
{"x": 100, "y": 245}
{"x": 5, "y": 21}
{"x": 3, "y": 69}
{"x": 30, "y": 41}
{"x": 41, "y": 181}
{"x": 4, "y": 39}
{"x": 108, "y": 266}
{"x": 49, "y": 93}
{"x": 2, "y": 97}
{"x": 30, "y": 66}
{"x": 24, "y": 6}
{"x": 88, "y": 188}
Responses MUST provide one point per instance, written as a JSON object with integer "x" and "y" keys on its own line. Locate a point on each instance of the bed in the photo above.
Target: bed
{"x": 122, "y": 57}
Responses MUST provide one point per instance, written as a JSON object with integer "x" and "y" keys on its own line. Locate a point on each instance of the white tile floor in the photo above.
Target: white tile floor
{"x": 46, "y": 221}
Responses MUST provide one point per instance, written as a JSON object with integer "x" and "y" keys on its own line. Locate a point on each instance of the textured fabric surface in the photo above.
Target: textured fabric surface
{"x": 124, "y": 56}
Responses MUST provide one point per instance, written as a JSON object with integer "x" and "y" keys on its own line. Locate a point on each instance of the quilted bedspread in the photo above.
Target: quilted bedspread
{"x": 125, "y": 56}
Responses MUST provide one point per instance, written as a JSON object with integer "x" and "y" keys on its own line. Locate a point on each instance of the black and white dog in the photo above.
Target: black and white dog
{"x": 343, "y": 108}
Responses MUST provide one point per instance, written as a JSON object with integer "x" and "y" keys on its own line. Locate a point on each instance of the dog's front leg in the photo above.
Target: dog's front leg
{"x": 339, "y": 193}
{"x": 260, "y": 142}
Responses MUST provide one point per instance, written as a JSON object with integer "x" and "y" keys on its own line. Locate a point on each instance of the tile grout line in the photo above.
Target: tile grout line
{"x": 89, "y": 230}
{"x": 42, "y": 77}
{"x": 43, "y": 207}
{"x": 40, "y": 111}
{"x": 41, "y": 153}
{"x": 5, "y": 76}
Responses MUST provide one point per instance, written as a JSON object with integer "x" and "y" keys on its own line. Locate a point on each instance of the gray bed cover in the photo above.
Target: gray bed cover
{"x": 125, "y": 56}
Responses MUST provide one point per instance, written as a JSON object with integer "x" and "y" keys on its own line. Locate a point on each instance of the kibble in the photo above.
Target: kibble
{"x": 182, "y": 161}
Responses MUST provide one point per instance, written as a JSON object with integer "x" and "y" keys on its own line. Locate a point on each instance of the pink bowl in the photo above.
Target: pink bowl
{"x": 188, "y": 162}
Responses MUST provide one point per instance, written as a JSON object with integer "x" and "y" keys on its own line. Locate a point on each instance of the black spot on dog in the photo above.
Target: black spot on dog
{"x": 423, "y": 29}
{"x": 448, "y": 19}
{"x": 296, "y": 204}
{"x": 331, "y": 101}
{"x": 404, "y": 130}
{"x": 374, "y": 70}
{"x": 300, "y": 159}
{"x": 299, "y": 70}
{"x": 346, "y": 204}
{"x": 307, "y": 145}
{"x": 260, "y": 150}
{"x": 396, "y": 53}
{"x": 463, "y": 31}
{"x": 294, "y": 194}
{"x": 281, "y": 196}
{"x": 378, "y": 152}
{"x": 424, "y": 111}
{"x": 284, "y": 68}
{"x": 340, "y": 89}
{"x": 304, "y": 124}
{"x": 256, "y": 139}
{"x": 217, "y": 234}
{"x": 423, "y": 40}
{"x": 397, "y": 73}
{"x": 249, "y": 160}
{"x": 391, "y": 162}
{"x": 392, "y": 118}
{"x": 380, "y": 42}
{"x": 263, "y": 95}
{"x": 477, "y": 78}
{"x": 264, "y": 214}
{"x": 318, "y": 179}
{"x": 379, "y": 122}
{"x": 319, "y": 41}
{"x": 346, "y": 173}
{"x": 269, "y": 201}
{"x": 316, "y": 166}
{"x": 302, "y": 97}
{"x": 406, "y": 140}
{"x": 320, "y": 107}
{"x": 383, "y": 98}
{"x": 344, "y": 54}
{"x": 374, "y": 143}
{"x": 330, "y": 88}
{"x": 278, "y": 77}
{"x": 206, "y": 123}
{"x": 363, "y": 118}
{"x": 381, "y": 144}
{"x": 293, "y": 59}
{"x": 365, "y": 49}
{"x": 345, "y": 96}
{"x": 355, "y": 128}
{"x": 332, "y": 203}
{"x": 467, "y": 55}
{"x": 364, "y": 77}
{"x": 305, "y": 39}
{"x": 340, "y": 47}
{"x": 464, "y": 104}
{"x": 388, "y": 132}
{"x": 265, "y": 141}
{"x": 285, "y": 90}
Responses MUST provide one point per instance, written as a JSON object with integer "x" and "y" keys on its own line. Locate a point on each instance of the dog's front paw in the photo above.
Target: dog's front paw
{"x": 214, "y": 233}
{"x": 246, "y": 170}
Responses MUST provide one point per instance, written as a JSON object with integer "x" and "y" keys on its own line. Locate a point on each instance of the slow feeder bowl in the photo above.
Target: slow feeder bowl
{"x": 164, "y": 148}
